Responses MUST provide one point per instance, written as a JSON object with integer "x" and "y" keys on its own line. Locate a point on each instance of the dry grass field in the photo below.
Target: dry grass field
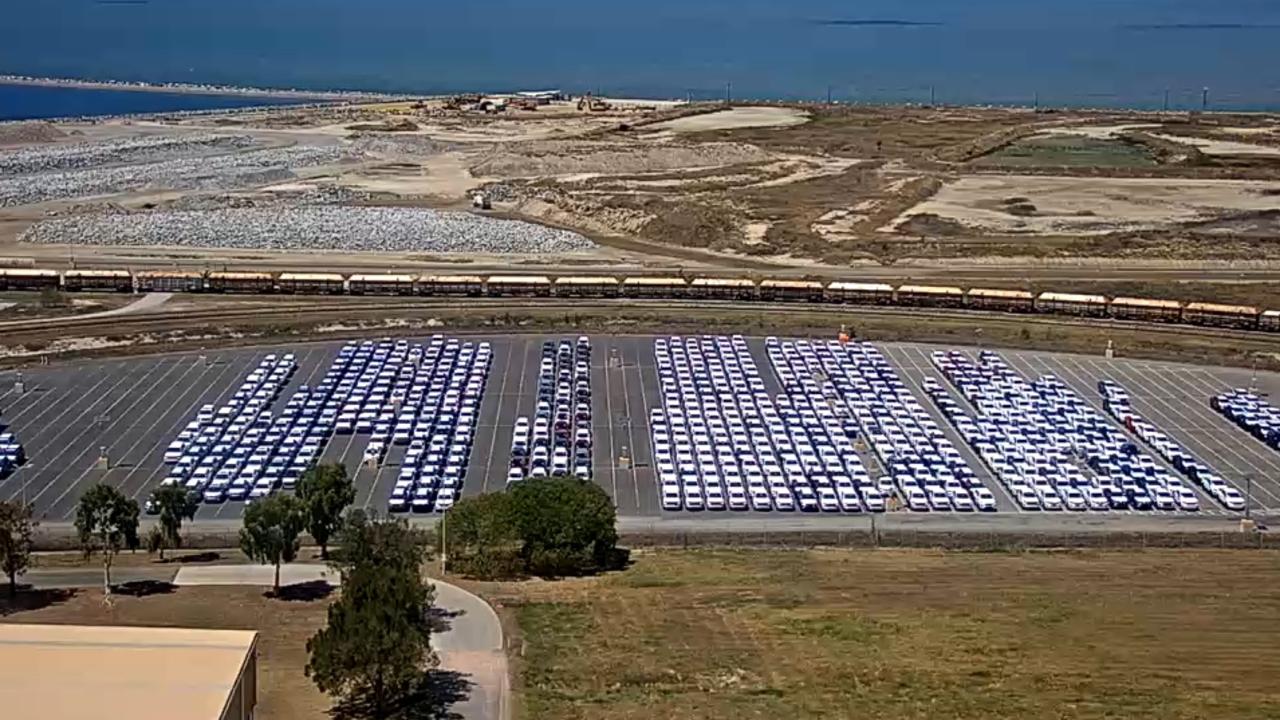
{"x": 905, "y": 634}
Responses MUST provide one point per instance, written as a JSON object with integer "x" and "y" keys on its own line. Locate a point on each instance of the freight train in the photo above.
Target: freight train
{"x": 647, "y": 287}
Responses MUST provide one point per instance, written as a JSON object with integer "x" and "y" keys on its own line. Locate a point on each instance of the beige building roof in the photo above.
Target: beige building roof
{"x": 73, "y": 672}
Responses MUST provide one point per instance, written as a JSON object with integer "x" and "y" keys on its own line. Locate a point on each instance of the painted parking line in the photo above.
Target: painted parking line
{"x": 57, "y": 426}
{"x": 497, "y": 422}
{"x": 111, "y": 430}
{"x": 1174, "y": 421}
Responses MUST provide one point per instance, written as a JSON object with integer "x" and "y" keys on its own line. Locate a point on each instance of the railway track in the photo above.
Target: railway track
{"x": 166, "y": 321}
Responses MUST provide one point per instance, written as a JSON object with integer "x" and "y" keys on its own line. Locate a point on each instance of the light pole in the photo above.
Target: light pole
{"x": 444, "y": 541}
{"x": 1248, "y": 494}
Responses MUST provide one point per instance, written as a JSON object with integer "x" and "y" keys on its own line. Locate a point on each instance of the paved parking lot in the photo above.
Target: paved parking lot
{"x": 134, "y": 407}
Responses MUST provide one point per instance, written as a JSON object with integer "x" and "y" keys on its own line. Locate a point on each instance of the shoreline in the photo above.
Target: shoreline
{"x": 201, "y": 89}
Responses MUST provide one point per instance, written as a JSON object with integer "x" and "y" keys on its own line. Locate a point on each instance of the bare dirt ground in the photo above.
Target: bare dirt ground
{"x": 802, "y": 188}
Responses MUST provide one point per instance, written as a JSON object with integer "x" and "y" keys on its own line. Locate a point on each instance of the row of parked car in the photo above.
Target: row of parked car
{"x": 11, "y": 453}
{"x": 424, "y": 397}
{"x": 923, "y": 469}
{"x": 1045, "y": 445}
{"x": 558, "y": 441}
{"x": 1253, "y": 414}
{"x": 721, "y": 441}
{"x": 435, "y": 398}
{"x": 1115, "y": 400}
{"x": 225, "y": 452}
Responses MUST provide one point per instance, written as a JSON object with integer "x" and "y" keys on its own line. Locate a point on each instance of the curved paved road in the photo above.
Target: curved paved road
{"x": 472, "y": 643}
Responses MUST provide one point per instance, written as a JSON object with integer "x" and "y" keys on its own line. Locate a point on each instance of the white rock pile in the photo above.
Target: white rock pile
{"x": 82, "y": 155}
{"x": 197, "y": 173}
{"x": 312, "y": 229}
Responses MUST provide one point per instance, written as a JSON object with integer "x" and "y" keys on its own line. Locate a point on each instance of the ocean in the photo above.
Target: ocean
{"x": 31, "y": 102}
{"x": 1099, "y": 53}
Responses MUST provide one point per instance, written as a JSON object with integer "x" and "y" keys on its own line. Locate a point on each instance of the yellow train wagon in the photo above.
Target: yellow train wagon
{"x": 655, "y": 287}
{"x": 1146, "y": 309}
{"x": 1218, "y": 315}
{"x": 860, "y": 293}
{"x": 311, "y": 283}
{"x": 1002, "y": 300}
{"x": 1072, "y": 304}
{"x": 169, "y": 281}
{"x": 381, "y": 284}
{"x": 242, "y": 282}
{"x": 930, "y": 296}
{"x": 791, "y": 290}
{"x": 586, "y": 286}
{"x": 451, "y": 285}
{"x": 97, "y": 281}
{"x": 518, "y": 286}
{"x": 723, "y": 289}
{"x": 29, "y": 279}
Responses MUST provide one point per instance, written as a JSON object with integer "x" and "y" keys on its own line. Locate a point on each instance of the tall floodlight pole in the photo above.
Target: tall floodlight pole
{"x": 1204, "y": 99}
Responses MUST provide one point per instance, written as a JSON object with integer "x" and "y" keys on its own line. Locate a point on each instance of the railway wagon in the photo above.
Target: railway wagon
{"x": 723, "y": 289}
{"x": 311, "y": 283}
{"x": 655, "y": 287}
{"x": 587, "y": 287}
{"x": 168, "y": 281}
{"x": 1146, "y": 309}
{"x": 28, "y": 279}
{"x": 791, "y": 290}
{"x": 98, "y": 281}
{"x": 1072, "y": 304}
{"x": 1003, "y": 300}
{"x": 1270, "y": 321}
{"x": 930, "y": 296}
{"x": 241, "y": 282}
{"x": 1217, "y": 315}
{"x": 518, "y": 286}
{"x": 380, "y": 284}
{"x": 451, "y": 285}
{"x": 860, "y": 293}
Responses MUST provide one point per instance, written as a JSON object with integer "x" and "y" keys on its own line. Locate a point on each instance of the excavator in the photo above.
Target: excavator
{"x": 590, "y": 103}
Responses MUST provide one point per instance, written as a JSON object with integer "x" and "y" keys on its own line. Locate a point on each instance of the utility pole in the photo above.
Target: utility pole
{"x": 1248, "y": 494}
{"x": 1204, "y": 99}
{"x": 933, "y": 96}
{"x": 1037, "y": 101}
{"x": 728, "y": 92}
{"x": 444, "y": 542}
{"x": 828, "y": 94}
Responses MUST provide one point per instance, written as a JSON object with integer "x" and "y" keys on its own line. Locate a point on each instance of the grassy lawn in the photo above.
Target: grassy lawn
{"x": 905, "y": 634}
{"x": 284, "y": 693}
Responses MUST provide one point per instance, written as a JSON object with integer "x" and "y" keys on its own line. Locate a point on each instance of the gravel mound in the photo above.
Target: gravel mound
{"x": 313, "y": 228}
{"x": 83, "y": 155}
{"x": 223, "y": 172}
{"x": 29, "y": 132}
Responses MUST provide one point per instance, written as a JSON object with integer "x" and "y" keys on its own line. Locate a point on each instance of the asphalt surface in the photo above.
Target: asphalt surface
{"x": 132, "y": 408}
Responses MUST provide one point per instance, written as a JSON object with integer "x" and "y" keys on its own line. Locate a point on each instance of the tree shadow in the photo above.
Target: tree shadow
{"x": 309, "y": 591}
{"x": 441, "y": 620}
{"x": 28, "y": 599}
{"x": 143, "y": 588}
{"x": 204, "y": 557}
{"x": 431, "y": 698}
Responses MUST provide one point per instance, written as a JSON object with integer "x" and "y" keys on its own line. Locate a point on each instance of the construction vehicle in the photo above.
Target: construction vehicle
{"x": 590, "y": 103}
{"x": 480, "y": 201}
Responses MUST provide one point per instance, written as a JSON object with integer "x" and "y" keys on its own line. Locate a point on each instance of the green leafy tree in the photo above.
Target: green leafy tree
{"x": 176, "y": 505}
{"x": 373, "y": 653}
{"x": 481, "y": 536}
{"x": 16, "y": 529}
{"x": 325, "y": 492}
{"x": 270, "y": 533}
{"x": 107, "y": 522}
{"x": 567, "y": 526}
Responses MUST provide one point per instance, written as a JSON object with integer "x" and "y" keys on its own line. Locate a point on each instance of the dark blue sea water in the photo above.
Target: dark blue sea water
{"x": 26, "y": 102}
{"x": 1069, "y": 52}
